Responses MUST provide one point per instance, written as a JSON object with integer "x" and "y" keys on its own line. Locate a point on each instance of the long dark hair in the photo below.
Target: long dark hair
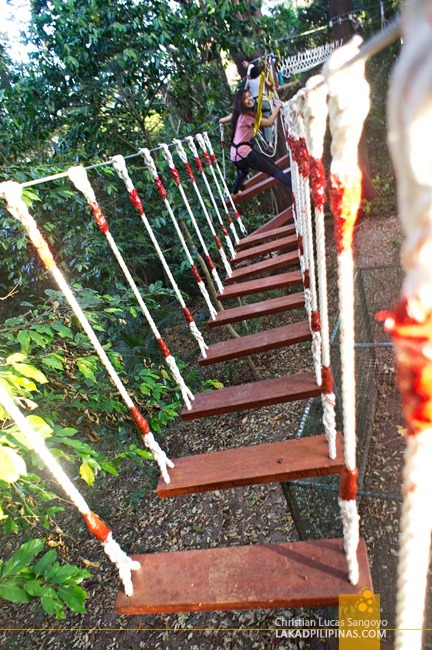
{"x": 238, "y": 109}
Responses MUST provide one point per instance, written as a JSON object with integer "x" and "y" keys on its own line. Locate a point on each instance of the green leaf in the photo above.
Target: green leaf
{"x": 23, "y": 557}
{"x": 39, "y": 425}
{"x": 63, "y": 331}
{"x": 87, "y": 474}
{"x": 37, "y": 338}
{"x": 11, "y": 591}
{"x": 18, "y": 357}
{"x": 74, "y": 597}
{"x": 30, "y": 371}
{"x": 108, "y": 467}
{"x": 34, "y": 588}
{"x": 46, "y": 561}
{"x": 12, "y": 466}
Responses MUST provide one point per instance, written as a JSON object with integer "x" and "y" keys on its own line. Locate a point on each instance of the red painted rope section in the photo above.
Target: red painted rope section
{"x": 207, "y": 158}
{"x": 99, "y": 217}
{"x": 43, "y": 249}
{"x": 300, "y": 154}
{"x": 318, "y": 182}
{"x": 306, "y": 279}
{"x": 140, "y": 420}
{"x": 414, "y": 376}
{"x": 96, "y": 526}
{"x": 189, "y": 172}
{"x": 188, "y": 315}
{"x": 136, "y": 201}
{"x": 160, "y": 188}
{"x": 224, "y": 230}
{"x": 217, "y": 241}
{"x": 210, "y": 262}
{"x": 344, "y": 201}
{"x": 315, "y": 321}
{"x": 349, "y": 487}
{"x": 326, "y": 380}
{"x": 175, "y": 175}
{"x": 163, "y": 347}
{"x": 300, "y": 244}
{"x": 228, "y": 217}
{"x": 199, "y": 163}
{"x": 196, "y": 274}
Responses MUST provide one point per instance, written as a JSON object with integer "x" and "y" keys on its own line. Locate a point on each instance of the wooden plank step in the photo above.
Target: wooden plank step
{"x": 254, "y": 395}
{"x": 272, "y": 462}
{"x": 257, "y": 188}
{"x": 265, "y": 266}
{"x": 296, "y": 574}
{"x": 252, "y": 240}
{"x": 280, "y": 219}
{"x": 284, "y": 161}
{"x": 258, "y": 309}
{"x": 278, "y": 337}
{"x": 280, "y": 281}
{"x": 288, "y": 243}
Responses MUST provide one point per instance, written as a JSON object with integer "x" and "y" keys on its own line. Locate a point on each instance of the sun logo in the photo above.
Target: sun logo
{"x": 366, "y": 603}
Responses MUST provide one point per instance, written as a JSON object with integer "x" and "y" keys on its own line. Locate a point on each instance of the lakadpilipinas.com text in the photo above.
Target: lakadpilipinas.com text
{"x": 324, "y": 628}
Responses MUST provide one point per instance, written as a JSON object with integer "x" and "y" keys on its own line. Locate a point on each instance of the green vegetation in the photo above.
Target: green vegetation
{"x": 108, "y": 78}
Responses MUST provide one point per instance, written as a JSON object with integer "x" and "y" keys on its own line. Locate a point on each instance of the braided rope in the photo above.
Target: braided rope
{"x": 121, "y": 169}
{"x": 199, "y": 164}
{"x": 12, "y": 193}
{"x": 222, "y": 143}
{"x": 409, "y": 118}
{"x": 346, "y": 124}
{"x": 304, "y": 169}
{"x": 224, "y": 185}
{"x": 79, "y": 178}
{"x": 315, "y": 121}
{"x": 183, "y": 157}
{"x": 169, "y": 160}
{"x": 306, "y": 60}
{"x": 96, "y": 526}
{"x": 209, "y": 162}
{"x": 162, "y": 193}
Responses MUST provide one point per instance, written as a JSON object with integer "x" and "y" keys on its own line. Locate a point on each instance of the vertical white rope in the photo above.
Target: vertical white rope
{"x": 170, "y": 162}
{"x": 183, "y": 157}
{"x": 222, "y": 141}
{"x": 224, "y": 185}
{"x": 303, "y": 153}
{"x": 200, "y": 139}
{"x": 124, "y": 563}
{"x": 315, "y": 116}
{"x": 348, "y": 106}
{"x": 199, "y": 164}
{"x": 162, "y": 193}
{"x": 12, "y": 193}
{"x": 121, "y": 169}
{"x": 79, "y": 178}
{"x": 409, "y": 119}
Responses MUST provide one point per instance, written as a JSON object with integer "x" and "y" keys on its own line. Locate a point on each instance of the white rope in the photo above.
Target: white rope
{"x": 79, "y": 178}
{"x": 200, "y": 139}
{"x": 222, "y": 141}
{"x": 12, "y": 193}
{"x": 315, "y": 120}
{"x": 183, "y": 157}
{"x": 169, "y": 160}
{"x": 152, "y": 169}
{"x": 121, "y": 169}
{"x": 409, "y": 119}
{"x": 348, "y": 106}
{"x": 124, "y": 563}
{"x": 306, "y": 60}
{"x": 194, "y": 151}
{"x": 224, "y": 185}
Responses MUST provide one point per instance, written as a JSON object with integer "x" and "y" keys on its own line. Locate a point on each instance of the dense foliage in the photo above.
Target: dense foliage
{"x": 104, "y": 78}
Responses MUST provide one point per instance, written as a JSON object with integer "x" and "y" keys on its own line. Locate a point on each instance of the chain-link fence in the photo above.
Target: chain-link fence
{"x": 380, "y": 443}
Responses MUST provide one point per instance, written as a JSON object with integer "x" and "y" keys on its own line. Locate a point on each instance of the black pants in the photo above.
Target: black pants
{"x": 256, "y": 160}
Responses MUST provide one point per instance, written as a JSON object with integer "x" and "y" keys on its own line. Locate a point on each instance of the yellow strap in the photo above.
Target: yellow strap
{"x": 259, "y": 104}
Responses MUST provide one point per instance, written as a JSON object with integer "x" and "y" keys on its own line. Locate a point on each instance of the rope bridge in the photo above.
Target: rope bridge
{"x": 315, "y": 572}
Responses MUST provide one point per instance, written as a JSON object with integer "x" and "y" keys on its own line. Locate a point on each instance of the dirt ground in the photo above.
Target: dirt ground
{"x": 143, "y": 523}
